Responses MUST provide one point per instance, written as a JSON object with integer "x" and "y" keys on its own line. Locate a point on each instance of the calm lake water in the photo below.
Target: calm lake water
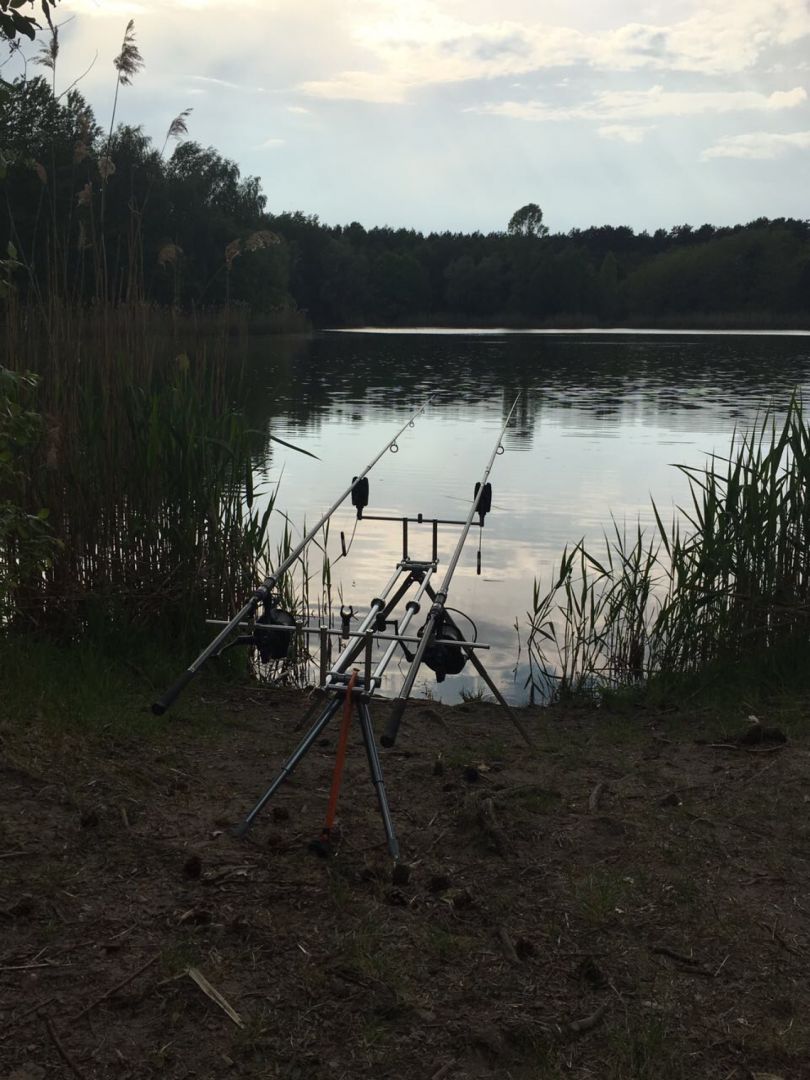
{"x": 602, "y": 420}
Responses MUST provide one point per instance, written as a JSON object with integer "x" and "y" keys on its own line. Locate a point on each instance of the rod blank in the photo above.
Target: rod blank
{"x": 436, "y": 612}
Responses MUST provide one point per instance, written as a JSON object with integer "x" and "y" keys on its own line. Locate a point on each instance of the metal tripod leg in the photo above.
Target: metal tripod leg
{"x": 290, "y": 764}
{"x": 376, "y": 775}
{"x": 482, "y": 671}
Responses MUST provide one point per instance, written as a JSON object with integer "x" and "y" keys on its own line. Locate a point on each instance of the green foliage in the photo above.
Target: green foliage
{"x": 27, "y": 546}
{"x": 145, "y": 466}
{"x": 145, "y": 460}
{"x": 7, "y": 268}
{"x": 105, "y": 216}
{"x": 527, "y": 221}
{"x": 727, "y": 585}
{"x": 14, "y": 22}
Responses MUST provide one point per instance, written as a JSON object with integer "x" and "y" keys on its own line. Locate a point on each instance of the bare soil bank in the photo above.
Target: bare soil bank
{"x": 623, "y": 903}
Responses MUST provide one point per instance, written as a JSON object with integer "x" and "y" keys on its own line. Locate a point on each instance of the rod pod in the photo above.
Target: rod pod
{"x": 436, "y": 613}
{"x": 262, "y": 593}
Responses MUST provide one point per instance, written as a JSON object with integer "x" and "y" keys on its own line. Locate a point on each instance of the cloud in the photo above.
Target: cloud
{"x": 624, "y": 132}
{"x": 216, "y": 82}
{"x": 270, "y": 144}
{"x": 357, "y": 86}
{"x": 412, "y": 45}
{"x": 650, "y": 104}
{"x": 758, "y": 145}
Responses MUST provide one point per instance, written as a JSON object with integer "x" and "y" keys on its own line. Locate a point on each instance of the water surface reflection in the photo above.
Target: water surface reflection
{"x": 601, "y": 422}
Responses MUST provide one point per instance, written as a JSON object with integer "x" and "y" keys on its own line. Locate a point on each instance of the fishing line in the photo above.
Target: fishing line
{"x": 464, "y": 615}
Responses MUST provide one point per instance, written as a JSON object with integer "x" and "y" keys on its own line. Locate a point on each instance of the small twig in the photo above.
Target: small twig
{"x": 579, "y": 1027}
{"x": 435, "y": 840}
{"x": 777, "y": 937}
{"x": 508, "y": 946}
{"x": 114, "y": 990}
{"x": 722, "y": 965}
{"x": 489, "y": 823}
{"x": 15, "y": 854}
{"x": 214, "y": 994}
{"x": 692, "y": 966}
{"x": 443, "y": 1070}
{"x": 595, "y": 796}
{"x": 29, "y": 967}
{"x": 63, "y": 1054}
{"x": 747, "y": 749}
{"x": 24, "y": 1015}
{"x": 664, "y": 950}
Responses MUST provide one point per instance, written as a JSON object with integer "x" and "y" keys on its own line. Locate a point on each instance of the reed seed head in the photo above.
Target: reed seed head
{"x": 49, "y": 51}
{"x": 263, "y": 238}
{"x": 231, "y": 251}
{"x": 129, "y": 61}
{"x": 178, "y": 127}
{"x": 169, "y": 254}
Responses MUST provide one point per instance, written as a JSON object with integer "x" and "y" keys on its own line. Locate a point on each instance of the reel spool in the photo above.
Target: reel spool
{"x": 441, "y": 655}
{"x": 272, "y": 643}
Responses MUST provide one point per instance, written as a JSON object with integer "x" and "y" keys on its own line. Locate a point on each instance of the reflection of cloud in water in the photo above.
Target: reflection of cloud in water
{"x": 598, "y": 431}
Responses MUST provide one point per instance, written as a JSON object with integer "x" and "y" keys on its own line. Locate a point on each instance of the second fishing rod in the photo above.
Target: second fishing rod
{"x": 481, "y": 503}
{"x": 358, "y": 489}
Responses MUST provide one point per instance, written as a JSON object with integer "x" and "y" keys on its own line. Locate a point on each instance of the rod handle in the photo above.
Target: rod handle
{"x": 160, "y": 706}
{"x": 389, "y": 736}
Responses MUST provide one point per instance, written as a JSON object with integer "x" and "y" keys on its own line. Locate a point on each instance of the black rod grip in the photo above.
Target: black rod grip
{"x": 389, "y": 736}
{"x": 162, "y": 704}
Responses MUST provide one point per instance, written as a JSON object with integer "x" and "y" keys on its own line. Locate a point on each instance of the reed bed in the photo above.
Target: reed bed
{"x": 144, "y": 462}
{"x": 726, "y": 582}
{"x": 145, "y": 465}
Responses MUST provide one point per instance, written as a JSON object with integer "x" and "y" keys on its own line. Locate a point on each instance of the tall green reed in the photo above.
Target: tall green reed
{"x": 146, "y": 467}
{"x": 146, "y": 462}
{"x": 728, "y": 581}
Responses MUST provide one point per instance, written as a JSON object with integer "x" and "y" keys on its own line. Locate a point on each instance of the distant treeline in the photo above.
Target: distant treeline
{"x": 93, "y": 217}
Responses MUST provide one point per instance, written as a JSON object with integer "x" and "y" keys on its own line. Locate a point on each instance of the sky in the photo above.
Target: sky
{"x": 451, "y": 114}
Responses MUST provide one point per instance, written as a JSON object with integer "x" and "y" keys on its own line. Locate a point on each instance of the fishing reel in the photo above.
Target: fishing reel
{"x": 272, "y": 642}
{"x": 442, "y": 655}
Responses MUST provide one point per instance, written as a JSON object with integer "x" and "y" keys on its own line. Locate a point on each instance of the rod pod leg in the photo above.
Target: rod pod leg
{"x": 482, "y": 671}
{"x": 364, "y": 716}
{"x": 289, "y": 765}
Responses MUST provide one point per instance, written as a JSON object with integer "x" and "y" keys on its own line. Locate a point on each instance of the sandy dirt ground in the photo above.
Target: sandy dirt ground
{"x": 630, "y": 899}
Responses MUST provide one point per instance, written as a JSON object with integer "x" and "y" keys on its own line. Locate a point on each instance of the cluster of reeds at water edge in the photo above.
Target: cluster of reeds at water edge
{"x": 146, "y": 466}
{"x": 726, "y": 583}
{"x": 146, "y": 461}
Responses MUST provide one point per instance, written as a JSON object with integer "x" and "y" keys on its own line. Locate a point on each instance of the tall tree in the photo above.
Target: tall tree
{"x": 527, "y": 221}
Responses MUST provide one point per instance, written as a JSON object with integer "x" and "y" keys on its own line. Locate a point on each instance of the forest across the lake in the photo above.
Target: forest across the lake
{"x": 108, "y": 215}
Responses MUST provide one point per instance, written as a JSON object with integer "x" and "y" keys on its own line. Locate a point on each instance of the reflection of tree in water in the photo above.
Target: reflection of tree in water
{"x": 304, "y": 381}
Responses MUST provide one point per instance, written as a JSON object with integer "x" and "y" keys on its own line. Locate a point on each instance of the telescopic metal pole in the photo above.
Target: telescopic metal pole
{"x": 263, "y": 591}
{"x": 436, "y": 612}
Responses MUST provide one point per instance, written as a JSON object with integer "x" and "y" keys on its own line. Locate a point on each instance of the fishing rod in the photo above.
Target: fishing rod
{"x": 482, "y": 502}
{"x": 358, "y": 489}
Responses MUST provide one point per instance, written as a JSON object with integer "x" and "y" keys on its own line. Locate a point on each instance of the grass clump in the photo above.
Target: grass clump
{"x": 724, "y": 589}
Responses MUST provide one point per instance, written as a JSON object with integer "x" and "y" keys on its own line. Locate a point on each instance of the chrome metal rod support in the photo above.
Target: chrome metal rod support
{"x": 437, "y": 610}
